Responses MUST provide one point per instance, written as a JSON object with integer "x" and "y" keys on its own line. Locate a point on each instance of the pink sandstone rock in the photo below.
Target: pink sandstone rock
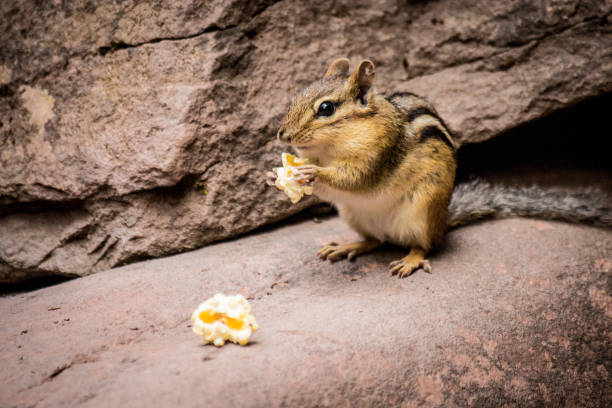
{"x": 476, "y": 332}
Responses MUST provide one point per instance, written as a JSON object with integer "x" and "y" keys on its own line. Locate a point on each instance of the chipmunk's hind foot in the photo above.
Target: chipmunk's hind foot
{"x": 334, "y": 251}
{"x": 410, "y": 263}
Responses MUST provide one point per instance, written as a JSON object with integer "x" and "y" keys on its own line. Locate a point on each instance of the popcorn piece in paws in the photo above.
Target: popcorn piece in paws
{"x": 285, "y": 178}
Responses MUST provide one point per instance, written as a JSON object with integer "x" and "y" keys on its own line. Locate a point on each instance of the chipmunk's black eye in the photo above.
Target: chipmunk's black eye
{"x": 326, "y": 109}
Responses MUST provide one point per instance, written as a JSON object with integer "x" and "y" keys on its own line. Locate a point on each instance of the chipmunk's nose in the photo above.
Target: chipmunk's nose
{"x": 282, "y": 135}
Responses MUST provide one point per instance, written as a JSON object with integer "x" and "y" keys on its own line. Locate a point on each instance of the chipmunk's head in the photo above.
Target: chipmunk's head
{"x": 327, "y": 112}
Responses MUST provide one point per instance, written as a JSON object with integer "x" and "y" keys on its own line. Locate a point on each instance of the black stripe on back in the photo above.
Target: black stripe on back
{"x": 400, "y": 94}
{"x": 390, "y": 158}
{"x": 445, "y": 127}
{"x": 434, "y": 132}
{"x": 420, "y": 111}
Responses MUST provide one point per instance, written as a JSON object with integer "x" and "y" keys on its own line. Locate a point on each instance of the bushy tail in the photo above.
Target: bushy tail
{"x": 476, "y": 200}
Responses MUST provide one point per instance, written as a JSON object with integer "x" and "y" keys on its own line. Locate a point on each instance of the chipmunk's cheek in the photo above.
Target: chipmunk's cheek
{"x": 298, "y": 140}
{"x": 307, "y": 139}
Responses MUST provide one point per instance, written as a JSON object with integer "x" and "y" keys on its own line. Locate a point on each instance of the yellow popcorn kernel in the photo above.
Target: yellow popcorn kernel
{"x": 209, "y": 317}
{"x": 285, "y": 181}
{"x": 222, "y": 318}
{"x": 290, "y": 160}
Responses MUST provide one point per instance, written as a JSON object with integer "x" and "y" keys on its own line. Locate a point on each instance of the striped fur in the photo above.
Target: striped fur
{"x": 422, "y": 118}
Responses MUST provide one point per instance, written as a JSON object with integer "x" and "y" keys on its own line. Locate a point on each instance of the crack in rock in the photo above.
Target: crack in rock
{"x": 113, "y": 47}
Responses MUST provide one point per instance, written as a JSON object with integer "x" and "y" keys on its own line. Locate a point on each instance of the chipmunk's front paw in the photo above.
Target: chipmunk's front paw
{"x": 305, "y": 174}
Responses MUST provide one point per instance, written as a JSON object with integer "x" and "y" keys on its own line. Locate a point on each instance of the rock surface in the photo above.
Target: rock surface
{"x": 516, "y": 313}
{"x": 136, "y": 129}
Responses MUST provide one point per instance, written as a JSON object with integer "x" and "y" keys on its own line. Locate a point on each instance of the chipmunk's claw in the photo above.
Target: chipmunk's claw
{"x": 305, "y": 174}
{"x": 333, "y": 251}
{"x": 409, "y": 264}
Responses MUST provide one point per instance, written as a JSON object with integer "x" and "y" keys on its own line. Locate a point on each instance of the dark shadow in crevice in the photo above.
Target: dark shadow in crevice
{"x": 566, "y": 149}
{"x": 33, "y": 284}
{"x": 38, "y": 206}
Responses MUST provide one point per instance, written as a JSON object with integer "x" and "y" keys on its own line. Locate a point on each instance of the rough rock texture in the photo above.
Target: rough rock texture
{"x": 516, "y": 313}
{"x": 136, "y": 129}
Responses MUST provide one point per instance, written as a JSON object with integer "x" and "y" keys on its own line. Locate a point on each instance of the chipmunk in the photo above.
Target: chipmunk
{"x": 388, "y": 165}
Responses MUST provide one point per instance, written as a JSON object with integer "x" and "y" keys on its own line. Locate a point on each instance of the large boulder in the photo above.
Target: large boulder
{"x": 516, "y": 313}
{"x": 132, "y": 130}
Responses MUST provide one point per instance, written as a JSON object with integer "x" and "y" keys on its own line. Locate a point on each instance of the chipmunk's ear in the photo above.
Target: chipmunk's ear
{"x": 362, "y": 79}
{"x": 339, "y": 67}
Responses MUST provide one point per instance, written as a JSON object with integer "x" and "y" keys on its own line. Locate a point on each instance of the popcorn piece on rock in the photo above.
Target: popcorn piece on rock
{"x": 222, "y": 318}
{"x": 285, "y": 180}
